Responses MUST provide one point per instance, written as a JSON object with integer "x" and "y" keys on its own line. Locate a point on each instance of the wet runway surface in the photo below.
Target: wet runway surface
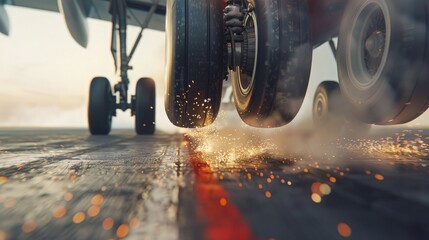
{"x": 64, "y": 184}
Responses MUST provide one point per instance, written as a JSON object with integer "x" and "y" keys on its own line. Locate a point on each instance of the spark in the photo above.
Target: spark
{"x": 223, "y": 202}
{"x": 399, "y": 146}
{"x": 316, "y": 198}
{"x": 379, "y": 177}
{"x": 227, "y": 147}
{"x": 79, "y": 217}
{"x": 93, "y": 211}
{"x": 325, "y": 189}
{"x": 97, "y": 199}
{"x": 122, "y": 231}
{"x": 29, "y": 226}
{"x": 344, "y": 230}
{"x": 108, "y": 223}
{"x": 59, "y": 212}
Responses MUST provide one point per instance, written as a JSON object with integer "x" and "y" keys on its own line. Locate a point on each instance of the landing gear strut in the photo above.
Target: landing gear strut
{"x": 119, "y": 99}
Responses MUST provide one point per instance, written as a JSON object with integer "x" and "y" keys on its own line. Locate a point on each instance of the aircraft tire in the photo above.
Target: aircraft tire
{"x": 100, "y": 106}
{"x": 145, "y": 107}
{"x": 195, "y": 61}
{"x": 332, "y": 116}
{"x": 270, "y": 85}
{"x": 327, "y": 111}
{"x": 383, "y": 59}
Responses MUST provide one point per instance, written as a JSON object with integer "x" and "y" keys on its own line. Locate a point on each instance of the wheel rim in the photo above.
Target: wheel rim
{"x": 368, "y": 46}
{"x": 244, "y": 75}
{"x": 320, "y": 106}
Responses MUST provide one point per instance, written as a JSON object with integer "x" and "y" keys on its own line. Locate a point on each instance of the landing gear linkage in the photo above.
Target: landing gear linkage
{"x": 234, "y": 14}
{"x": 118, "y": 10}
{"x": 102, "y": 102}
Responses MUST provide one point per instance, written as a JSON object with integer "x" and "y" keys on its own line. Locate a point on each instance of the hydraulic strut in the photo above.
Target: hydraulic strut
{"x": 333, "y": 48}
{"x": 119, "y": 11}
{"x": 234, "y": 14}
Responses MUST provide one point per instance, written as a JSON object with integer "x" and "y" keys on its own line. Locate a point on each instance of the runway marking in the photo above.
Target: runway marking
{"x": 222, "y": 218}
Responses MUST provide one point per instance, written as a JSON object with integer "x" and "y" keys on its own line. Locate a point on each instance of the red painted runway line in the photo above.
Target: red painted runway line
{"x": 222, "y": 219}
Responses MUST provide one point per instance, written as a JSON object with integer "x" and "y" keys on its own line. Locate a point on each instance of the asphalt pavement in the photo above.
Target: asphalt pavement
{"x": 66, "y": 184}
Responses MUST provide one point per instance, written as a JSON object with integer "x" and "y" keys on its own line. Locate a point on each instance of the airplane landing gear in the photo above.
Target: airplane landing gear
{"x": 270, "y": 59}
{"x": 144, "y": 106}
{"x": 195, "y": 61}
{"x": 102, "y": 104}
{"x": 268, "y": 54}
{"x": 383, "y": 59}
{"x": 331, "y": 116}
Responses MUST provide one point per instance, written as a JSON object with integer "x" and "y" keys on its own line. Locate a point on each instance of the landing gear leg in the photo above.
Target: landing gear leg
{"x": 119, "y": 30}
{"x": 120, "y": 98}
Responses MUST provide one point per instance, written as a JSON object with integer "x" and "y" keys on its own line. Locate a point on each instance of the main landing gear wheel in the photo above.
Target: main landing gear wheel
{"x": 383, "y": 58}
{"x": 195, "y": 61}
{"x": 144, "y": 107}
{"x": 331, "y": 115}
{"x": 270, "y": 84}
{"x": 100, "y": 108}
{"x": 327, "y": 111}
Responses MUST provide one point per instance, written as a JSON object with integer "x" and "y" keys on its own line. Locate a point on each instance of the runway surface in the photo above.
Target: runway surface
{"x": 65, "y": 184}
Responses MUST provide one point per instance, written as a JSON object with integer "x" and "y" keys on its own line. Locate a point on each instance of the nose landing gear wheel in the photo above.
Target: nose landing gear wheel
{"x": 145, "y": 107}
{"x": 270, "y": 85}
{"x": 383, "y": 58}
{"x": 100, "y": 106}
{"x": 195, "y": 61}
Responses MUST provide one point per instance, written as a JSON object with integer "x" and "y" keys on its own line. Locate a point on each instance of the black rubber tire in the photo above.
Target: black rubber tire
{"x": 332, "y": 116}
{"x": 195, "y": 61}
{"x": 100, "y": 106}
{"x": 327, "y": 109}
{"x": 145, "y": 107}
{"x": 282, "y": 64}
{"x": 394, "y": 90}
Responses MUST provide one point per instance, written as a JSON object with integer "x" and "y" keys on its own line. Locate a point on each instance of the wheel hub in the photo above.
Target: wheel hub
{"x": 248, "y": 55}
{"x": 374, "y": 44}
{"x": 320, "y": 106}
{"x": 367, "y": 49}
{"x": 241, "y": 35}
{"x": 374, "y": 41}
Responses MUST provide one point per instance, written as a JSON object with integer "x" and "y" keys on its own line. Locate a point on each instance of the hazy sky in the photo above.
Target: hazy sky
{"x": 45, "y": 75}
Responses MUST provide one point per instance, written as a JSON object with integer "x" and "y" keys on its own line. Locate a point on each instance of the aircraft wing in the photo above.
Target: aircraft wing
{"x": 75, "y": 13}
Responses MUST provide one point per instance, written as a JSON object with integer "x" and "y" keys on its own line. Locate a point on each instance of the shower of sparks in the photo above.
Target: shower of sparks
{"x": 227, "y": 147}
{"x": 398, "y": 146}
